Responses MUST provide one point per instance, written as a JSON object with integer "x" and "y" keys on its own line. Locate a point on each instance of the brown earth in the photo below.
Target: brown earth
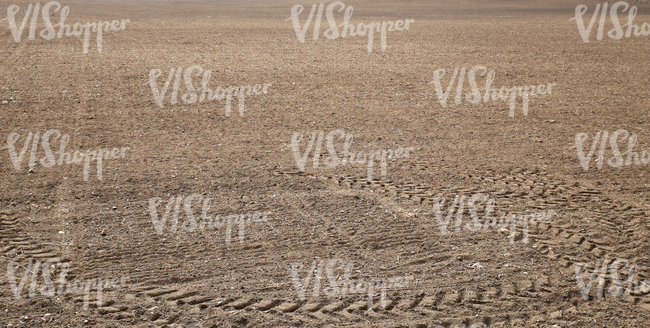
{"x": 245, "y": 164}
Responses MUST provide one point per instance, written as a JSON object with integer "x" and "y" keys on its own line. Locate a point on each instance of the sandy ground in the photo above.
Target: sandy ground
{"x": 386, "y": 227}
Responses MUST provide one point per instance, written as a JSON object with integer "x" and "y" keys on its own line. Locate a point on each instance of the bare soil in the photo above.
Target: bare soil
{"x": 245, "y": 164}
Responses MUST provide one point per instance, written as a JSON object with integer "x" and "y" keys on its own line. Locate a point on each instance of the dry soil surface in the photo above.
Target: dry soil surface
{"x": 385, "y": 227}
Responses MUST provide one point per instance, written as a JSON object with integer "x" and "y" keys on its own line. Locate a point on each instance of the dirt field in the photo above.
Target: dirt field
{"x": 57, "y": 208}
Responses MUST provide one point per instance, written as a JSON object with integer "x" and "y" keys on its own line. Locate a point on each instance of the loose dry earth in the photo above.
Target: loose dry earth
{"x": 245, "y": 164}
